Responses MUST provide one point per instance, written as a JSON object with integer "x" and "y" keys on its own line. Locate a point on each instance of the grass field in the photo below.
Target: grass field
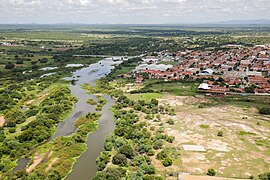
{"x": 145, "y": 96}
{"x": 123, "y": 70}
{"x": 177, "y": 89}
{"x": 243, "y": 101}
{"x": 169, "y": 62}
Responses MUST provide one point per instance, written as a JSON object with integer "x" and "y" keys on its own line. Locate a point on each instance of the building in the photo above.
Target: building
{"x": 204, "y": 86}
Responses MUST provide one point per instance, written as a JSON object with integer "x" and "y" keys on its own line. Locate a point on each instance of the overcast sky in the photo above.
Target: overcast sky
{"x": 131, "y": 11}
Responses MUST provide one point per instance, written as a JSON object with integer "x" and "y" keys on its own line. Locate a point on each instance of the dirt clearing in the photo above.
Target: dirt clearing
{"x": 236, "y": 139}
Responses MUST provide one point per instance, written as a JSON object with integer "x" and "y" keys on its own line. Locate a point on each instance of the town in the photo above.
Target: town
{"x": 234, "y": 71}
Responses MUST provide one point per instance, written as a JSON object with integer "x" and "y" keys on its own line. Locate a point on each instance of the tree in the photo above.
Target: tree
{"x": 108, "y": 146}
{"x": 211, "y": 172}
{"x": 139, "y": 160}
{"x": 154, "y": 102}
{"x": 162, "y": 155}
{"x": 126, "y": 150}
{"x": 158, "y": 144}
{"x": 115, "y": 173}
{"x": 111, "y": 174}
{"x": 54, "y": 176}
{"x": 148, "y": 169}
{"x": 265, "y": 111}
{"x": 250, "y": 89}
{"x": 170, "y": 121}
{"x": 43, "y": 60}
{"x": 19, "y": 61}
{"x": 9, "y": 65}
{"x": 167, "y": 162}
{"x": 120, "y": 159}
{"x": 264, "y": 176}
{"x": 170, "y": 139}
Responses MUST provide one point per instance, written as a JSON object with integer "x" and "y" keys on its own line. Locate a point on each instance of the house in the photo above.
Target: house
{"x": 160, "y": 67}
{"x": 139, "y": 79}
{"x": 258, "y": 80}
{"x": 150, "y": 60}
{"x": 207, "y": 72}
{"x": 204, "y": 86}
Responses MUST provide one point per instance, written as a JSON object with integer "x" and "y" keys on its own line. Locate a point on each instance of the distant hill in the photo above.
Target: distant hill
{"x": 239, "y": 22}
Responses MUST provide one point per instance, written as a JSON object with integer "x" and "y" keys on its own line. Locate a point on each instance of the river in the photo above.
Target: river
{"x": 85, "y": 167}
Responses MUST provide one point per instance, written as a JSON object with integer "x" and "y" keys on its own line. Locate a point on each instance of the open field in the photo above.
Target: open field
{"x": 178, "y": 89}
{"x": 240, "y": 151}
{"x": 144, "y": 96}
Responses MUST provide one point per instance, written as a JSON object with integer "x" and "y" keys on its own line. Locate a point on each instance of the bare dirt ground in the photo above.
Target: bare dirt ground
{"x": 2, "y": 121}
{"x": 37, "y": 160}
{"x": 38, "y": 99}
{"x": 51, "y": 164}
{"x": 244, "y": 149}
{"x": 190, "y": 177}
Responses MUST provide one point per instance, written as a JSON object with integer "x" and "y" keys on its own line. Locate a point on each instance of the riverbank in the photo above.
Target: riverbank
{"x": 36, "y": 122}
{"x": 64, "y": 151}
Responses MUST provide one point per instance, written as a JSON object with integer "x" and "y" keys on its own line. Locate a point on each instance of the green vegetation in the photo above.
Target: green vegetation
{"x": 91, "y": 102}
{"x": 211, "y": 172}
{"x": 204, "y": 126}
{"x": 54, "y": 108}
{"x": 243, "y": 133}
{"x": 63, "y": 149}
{"x": 264, "y": 176}
{"x": 132, "y": 141}
{"x": 220, "y": 133}
{"x": 145, "y": 96}
{"x": 265, "y": 110}
{"x": 101, "y": 102}
{"x": 175, "y": 88}
{"x": 123, "y": 68}
{"x": 259, "y": 102}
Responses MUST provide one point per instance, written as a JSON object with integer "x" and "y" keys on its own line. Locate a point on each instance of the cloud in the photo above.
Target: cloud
{"x": 130, "y": 11}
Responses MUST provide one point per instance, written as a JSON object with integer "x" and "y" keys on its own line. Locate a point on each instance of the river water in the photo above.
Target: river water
{"x": 85, "y": 167}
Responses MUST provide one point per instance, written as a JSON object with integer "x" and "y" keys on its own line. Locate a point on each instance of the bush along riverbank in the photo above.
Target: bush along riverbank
{"x": 27, "y": 128}
{"x": 135, "y": 146}
{"x": 55, "y": 159}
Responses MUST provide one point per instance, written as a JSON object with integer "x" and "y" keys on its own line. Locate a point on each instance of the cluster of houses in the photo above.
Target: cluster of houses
{"x": 237, "y": 70}
{"x": 9, "y": 44}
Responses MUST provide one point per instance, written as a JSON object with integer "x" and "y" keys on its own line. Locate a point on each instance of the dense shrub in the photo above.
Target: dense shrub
{"x": 264, "y": 176}
{"x": 265, "y": 111}
{"x": 9, "y": 65}
{"x": 148, "y": 169}
{"x": 111, "y": 174}
{"x": 167, "y": 162}
{"x": 127, "y": 150}
{"x": 211, "y": 172}
{"x": 120, "y": 159}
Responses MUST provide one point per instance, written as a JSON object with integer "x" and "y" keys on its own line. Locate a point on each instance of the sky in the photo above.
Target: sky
{"x": 131, "y": 11}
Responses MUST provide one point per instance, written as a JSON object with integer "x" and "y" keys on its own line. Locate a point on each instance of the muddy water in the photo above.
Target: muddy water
{"x": 85, "y": 167}
{"x": 84, "y": 75}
